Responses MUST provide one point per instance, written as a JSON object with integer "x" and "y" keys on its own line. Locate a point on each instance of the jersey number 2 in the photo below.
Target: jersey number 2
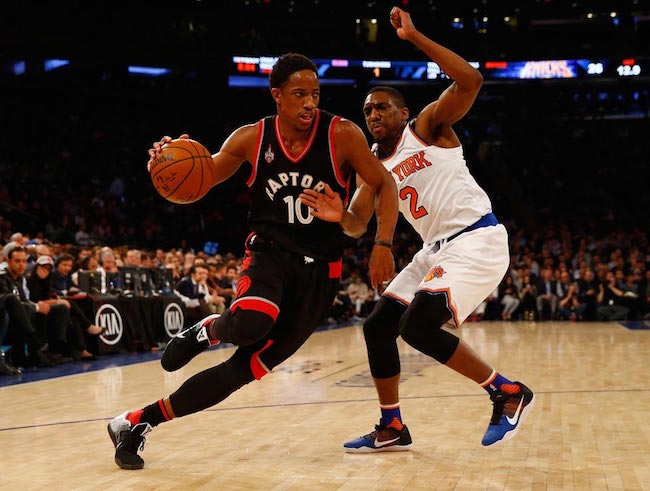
{"x": 411, "y": 193}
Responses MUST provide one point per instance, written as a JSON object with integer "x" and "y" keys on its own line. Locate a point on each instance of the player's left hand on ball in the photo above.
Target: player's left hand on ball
{"x": 327, "y": 206}
{"x": 157, "y": 148}
{"x": 381, "y": 265}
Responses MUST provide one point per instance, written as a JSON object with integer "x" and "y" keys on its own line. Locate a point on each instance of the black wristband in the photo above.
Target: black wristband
{"x": 384, "y": 243}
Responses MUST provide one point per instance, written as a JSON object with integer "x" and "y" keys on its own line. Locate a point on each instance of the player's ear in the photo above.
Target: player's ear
{"x": 405, "y": 113}
{"x": 275, "y": 93}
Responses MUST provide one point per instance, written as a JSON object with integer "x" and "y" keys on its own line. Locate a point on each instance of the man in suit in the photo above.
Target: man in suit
{"x": 193, "y": 290}
{"x": 546, "y": 293}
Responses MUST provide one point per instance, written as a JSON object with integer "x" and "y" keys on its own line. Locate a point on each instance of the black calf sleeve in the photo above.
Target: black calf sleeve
{"x": 207, "y": 388}
{"x": 381, "y": 330}
{"x": 243, "y": 327}
{"x": 420, "y": 326}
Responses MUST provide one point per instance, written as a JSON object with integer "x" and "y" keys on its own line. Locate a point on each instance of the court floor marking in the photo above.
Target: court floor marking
{"x": 323, "y": 403}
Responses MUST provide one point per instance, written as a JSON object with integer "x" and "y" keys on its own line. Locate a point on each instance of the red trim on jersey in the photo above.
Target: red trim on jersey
{"x": 260, "y": 134}
{"x": 247, "y": 258}
{"x": 257, "y": 304}
{"x": 335, "y": 268}
{"x": 257, "y": 367}
{"x": 335, "y": 164}
{"x": 347, "y": 192}
{"x": 310, "y": 140}
{"x": 447, "y": 295}
{"x": 394, "y": 149}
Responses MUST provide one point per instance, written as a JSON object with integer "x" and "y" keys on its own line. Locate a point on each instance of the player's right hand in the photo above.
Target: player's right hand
{"x": 327, "y": 206}
{"x": 157, "y": 148}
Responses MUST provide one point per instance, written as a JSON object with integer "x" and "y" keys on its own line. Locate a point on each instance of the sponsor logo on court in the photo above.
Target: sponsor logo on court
{"x": 109, "y": 318}
{"x": 173, "y": 319}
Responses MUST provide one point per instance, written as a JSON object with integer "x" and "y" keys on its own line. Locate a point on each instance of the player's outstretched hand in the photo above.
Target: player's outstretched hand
{"x": 381, "y": 265}
{"x": 327, "y": 206}
{"x": 402, "y": 23}
{"x": 157, "y": 148}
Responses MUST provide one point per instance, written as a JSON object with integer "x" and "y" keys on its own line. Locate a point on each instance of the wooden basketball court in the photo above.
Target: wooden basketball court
{"x": 590, "y": 428}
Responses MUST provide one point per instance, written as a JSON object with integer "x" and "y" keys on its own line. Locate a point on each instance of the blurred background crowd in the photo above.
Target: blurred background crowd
{"x": 565, "y": 162}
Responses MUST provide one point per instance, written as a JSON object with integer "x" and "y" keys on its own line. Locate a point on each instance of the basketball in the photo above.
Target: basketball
{"x": 183, "y": 172}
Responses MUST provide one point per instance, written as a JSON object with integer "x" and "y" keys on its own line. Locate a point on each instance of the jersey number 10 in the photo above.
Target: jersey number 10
{"x": 295, "y": 210}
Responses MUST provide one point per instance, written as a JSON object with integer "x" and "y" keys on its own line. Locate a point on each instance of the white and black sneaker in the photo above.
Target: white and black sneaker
{"x": 128, "y": 439}
{"x": 187, "y": 344}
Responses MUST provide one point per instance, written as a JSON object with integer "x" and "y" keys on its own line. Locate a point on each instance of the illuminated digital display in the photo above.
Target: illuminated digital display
{"x": 339, "y": 71}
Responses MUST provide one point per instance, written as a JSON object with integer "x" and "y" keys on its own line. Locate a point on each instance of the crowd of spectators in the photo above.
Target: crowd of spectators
{"x": 556, "y": 273}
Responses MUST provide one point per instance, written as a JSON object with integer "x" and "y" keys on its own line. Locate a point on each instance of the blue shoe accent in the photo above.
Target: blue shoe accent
{"x": 509, "y": 411}
{"x": 383, "y": 439}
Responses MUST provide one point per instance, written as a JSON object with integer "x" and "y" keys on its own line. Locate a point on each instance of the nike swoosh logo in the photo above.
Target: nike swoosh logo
{"x": 515, "y": 418}
{"x": 181, "y": 334}
{"x": 385, "y": 442}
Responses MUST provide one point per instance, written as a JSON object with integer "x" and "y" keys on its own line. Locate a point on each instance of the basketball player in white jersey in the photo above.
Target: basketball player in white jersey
{"x": 464, "y": 257}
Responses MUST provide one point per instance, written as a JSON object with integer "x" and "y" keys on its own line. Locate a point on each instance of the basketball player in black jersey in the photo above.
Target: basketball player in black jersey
{"x": 293, "y": 260}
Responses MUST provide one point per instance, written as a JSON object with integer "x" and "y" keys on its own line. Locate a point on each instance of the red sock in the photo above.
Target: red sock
{"x": 134, "y": 417}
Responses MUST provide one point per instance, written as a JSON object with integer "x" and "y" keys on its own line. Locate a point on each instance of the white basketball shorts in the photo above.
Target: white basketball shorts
{"x": 466, "y": 270}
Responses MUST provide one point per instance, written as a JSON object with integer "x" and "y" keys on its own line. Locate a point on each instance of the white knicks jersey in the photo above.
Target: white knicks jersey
{"x": 438, "y": 195}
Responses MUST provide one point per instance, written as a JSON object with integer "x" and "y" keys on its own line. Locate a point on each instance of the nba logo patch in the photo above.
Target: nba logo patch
{"x": 436, "y": 272}
{"x": 269, "y": 155}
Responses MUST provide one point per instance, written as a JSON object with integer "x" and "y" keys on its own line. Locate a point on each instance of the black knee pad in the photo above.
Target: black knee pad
{"x": 242, "y": 327}
{"x": 421, "y": 324}
{"x": 381, "y": 330}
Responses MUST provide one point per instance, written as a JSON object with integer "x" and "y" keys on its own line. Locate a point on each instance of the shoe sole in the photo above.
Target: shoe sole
{"x": 524, "y": 414}
{"x": 392, "y": 448}
{"x": 129, "y": 467}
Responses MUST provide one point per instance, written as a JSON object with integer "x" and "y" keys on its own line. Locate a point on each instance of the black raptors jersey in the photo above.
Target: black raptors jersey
{"x": 277, "y": 180}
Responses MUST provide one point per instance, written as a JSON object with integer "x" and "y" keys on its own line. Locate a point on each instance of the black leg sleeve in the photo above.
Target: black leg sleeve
{"x": 421, "y": 325}
{"x": 211, "y": 386}
{"x": 381, "y": 330}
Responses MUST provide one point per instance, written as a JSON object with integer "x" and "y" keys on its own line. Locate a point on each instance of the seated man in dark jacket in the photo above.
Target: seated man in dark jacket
{"x": 193, "y": 290}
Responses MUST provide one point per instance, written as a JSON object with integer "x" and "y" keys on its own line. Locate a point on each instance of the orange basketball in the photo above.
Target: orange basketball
{"x": 183, "y": 172}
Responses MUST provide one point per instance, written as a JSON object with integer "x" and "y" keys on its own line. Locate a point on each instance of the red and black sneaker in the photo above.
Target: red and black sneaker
{"x": 187, "y": 344}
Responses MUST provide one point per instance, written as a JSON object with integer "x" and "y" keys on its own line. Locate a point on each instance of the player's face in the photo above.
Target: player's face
{"x": 383, "y": 117}
{"x": 298, "y": 99}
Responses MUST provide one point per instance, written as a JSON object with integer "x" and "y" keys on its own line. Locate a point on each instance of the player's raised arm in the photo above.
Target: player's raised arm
{"x": 456, "y": 100}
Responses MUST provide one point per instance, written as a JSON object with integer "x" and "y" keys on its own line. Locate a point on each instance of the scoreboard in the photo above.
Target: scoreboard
{"x": 252, "y": 71}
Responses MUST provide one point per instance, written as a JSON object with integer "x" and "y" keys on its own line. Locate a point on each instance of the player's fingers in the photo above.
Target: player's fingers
{"x": 310, "y": 192}
{"x": 329, "y": 191}
{"x": 306, "y": 200}
{"x": 185, "y": 136}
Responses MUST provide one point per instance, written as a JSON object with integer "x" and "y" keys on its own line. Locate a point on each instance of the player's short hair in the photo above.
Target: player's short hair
{"x": 394, "y": 94}
{"x": 287, "y": 65}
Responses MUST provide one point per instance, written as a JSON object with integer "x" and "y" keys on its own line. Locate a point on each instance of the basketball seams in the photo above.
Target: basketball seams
{"x": 200, "y": 156}
{"x": 197, "y": 152}
{"x": 159, "y": 169}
